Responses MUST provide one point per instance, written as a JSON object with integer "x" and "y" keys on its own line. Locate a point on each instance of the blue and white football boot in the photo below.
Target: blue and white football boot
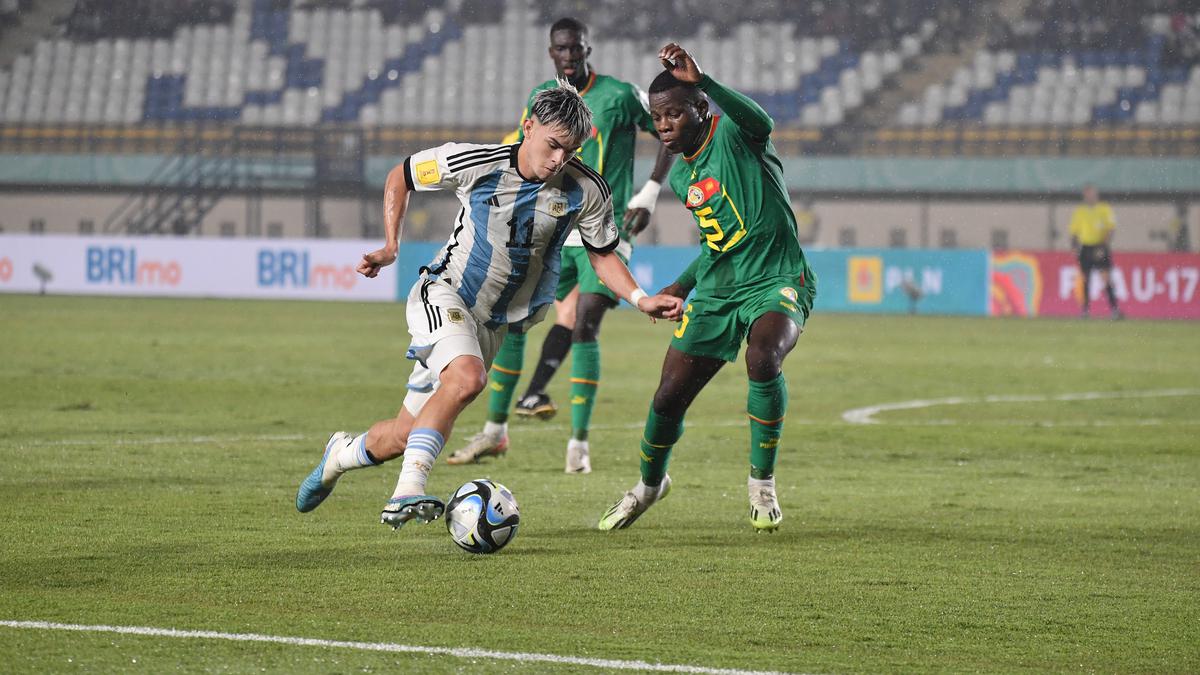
{"x": 319, "y": 484}
{"x": 421, "y": 508}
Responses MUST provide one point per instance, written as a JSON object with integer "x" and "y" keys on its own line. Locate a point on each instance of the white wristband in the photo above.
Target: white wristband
{"x": 647, "y": 197}
{"x": 636, "y": 296}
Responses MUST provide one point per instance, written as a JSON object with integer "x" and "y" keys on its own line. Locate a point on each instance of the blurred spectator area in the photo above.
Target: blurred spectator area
{"x": 10, "y": 14}
{"x": 1058, "y": 77}
{"x": 1075, "y": 64}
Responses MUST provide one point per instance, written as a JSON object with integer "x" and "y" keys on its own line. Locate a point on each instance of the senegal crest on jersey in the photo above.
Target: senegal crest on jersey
{"x": 699, "y": 192}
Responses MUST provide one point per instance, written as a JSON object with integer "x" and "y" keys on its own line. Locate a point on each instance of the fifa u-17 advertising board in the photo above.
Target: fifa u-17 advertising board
{"x": 181, "y": 267}
{"x": 1049, "y": 283}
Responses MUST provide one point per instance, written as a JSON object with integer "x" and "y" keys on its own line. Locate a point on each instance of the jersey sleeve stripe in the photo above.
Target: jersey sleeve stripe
{"x": 603, "y": 249}
{"x": 408, "y": 179}
{"x": 584, "y": 168}
{"x": 454, "y": 161}
{"x": 591, "y": 173}
{"x": 478, "y": 162}
{"x": 477, "y": 150}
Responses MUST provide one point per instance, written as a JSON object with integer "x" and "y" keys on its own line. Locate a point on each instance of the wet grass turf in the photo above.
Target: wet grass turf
{"x": 152, "y": 448}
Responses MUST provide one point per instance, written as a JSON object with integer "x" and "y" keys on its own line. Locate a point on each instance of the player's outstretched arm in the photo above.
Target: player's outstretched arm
{"x": 738, "y": 107}
{"x": 616, "y": 276}
{"x": 395, "y": 204}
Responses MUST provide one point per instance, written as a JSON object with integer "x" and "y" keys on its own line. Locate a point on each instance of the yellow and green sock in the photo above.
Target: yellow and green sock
{"x": 766, "y": 405}
{"x": 506, "y": 370}
{"x": 660, "y": 435}
{"x": 585, "y": 379}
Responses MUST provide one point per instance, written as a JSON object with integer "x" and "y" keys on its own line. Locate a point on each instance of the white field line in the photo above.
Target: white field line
{"x": 855, "y": 416}
{"x": 866, "y": 415}
{"x": 454, "y": 652}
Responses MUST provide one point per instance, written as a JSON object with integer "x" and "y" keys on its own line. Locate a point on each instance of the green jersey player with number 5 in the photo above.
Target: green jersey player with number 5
{"x": 751, "y": 280}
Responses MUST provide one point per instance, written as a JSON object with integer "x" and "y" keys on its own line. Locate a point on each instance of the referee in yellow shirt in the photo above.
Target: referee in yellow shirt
{"x": 1092, "y": 227}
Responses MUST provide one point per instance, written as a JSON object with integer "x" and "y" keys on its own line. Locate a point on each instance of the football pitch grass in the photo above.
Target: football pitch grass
{"x": 151, "y": 451}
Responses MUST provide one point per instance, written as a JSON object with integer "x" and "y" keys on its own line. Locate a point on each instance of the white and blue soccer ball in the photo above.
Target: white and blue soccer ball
{"x": 482, "y": 516}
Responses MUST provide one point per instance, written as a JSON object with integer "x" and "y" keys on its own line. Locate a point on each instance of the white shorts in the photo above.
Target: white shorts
{"x": 442, "y": 330}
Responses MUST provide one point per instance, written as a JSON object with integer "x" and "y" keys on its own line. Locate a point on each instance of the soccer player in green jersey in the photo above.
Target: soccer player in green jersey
{"x": 751, "y": 280}
{"x": 619, "y": 110}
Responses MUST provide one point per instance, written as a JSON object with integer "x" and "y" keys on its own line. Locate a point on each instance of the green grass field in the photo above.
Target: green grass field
{"x": 151, "y": 451}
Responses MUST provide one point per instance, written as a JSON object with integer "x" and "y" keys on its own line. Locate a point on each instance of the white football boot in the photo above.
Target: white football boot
{"x": 765, "y": 514}
{"x": 481, "y": 445}
{"x": 633, "y": 504}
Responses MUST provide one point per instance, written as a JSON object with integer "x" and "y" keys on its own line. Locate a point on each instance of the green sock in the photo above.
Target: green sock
{"x": 506, "y": 370}
{"x": 585, "y": 379}
{"x": 766, "y": 404}
{"x": 659, "y": 437}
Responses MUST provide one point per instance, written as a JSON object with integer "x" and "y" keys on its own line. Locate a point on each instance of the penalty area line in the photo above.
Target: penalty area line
{"x": 866, "y": 415}
{"x": 455, "y": 652}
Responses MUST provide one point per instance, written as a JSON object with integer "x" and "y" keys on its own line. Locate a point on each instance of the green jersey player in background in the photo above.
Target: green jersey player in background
{"x": 619, "y": 110}
{"x": 750, "y": 282}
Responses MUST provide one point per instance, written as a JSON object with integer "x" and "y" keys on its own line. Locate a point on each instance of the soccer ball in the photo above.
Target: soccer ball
{"x": 482, "y": 516}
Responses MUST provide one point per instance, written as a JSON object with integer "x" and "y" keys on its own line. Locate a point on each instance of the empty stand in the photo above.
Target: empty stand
{"x": 265, "y": 63}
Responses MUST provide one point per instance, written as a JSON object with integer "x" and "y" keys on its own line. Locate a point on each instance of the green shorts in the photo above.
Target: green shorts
{"x": 577, "y": 271}
{"x": 715, "y": 327}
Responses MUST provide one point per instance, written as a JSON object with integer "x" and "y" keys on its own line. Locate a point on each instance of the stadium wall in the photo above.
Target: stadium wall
{"x": 833, "y": 221}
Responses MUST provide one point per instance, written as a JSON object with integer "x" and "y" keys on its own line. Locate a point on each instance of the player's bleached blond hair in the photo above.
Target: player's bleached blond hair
{"x": 563, "y": 107}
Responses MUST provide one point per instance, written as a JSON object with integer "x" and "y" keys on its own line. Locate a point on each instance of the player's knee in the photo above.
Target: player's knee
{"x": 764, "y": 362}
{"x": 668, "y": 402}
{"x": 464, "y": 379}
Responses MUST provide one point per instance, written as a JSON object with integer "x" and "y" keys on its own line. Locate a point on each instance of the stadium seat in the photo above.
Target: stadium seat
{"x": 995, "y": 114}
{"x": 1146, "y": 113}
{"x": 811, "y": 116}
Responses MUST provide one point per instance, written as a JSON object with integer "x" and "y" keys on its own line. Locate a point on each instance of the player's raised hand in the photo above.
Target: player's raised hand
{"x": 376, "y": 260}
{"x": 681, "y": 64}
{"x": 661, "y": 306}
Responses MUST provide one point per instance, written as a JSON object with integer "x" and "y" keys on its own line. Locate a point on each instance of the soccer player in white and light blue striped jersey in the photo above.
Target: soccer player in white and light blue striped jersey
{"x": 499, "y": 268}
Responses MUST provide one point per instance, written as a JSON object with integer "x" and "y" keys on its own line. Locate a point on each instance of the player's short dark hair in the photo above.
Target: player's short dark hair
{"x": 569, "y": 23}
{"x": 562, "y": 106}
{"x": 666, "y": 82}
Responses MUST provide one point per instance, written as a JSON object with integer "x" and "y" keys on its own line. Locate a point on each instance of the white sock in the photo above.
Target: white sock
{"x": 576, "y": 443}
{"x": 424, "y": 446}
{"x": 352, "y": 455}
{"x": 645, "y": 493}
{"x": 496, "y": 429}
{"x": 755, "y": 483}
